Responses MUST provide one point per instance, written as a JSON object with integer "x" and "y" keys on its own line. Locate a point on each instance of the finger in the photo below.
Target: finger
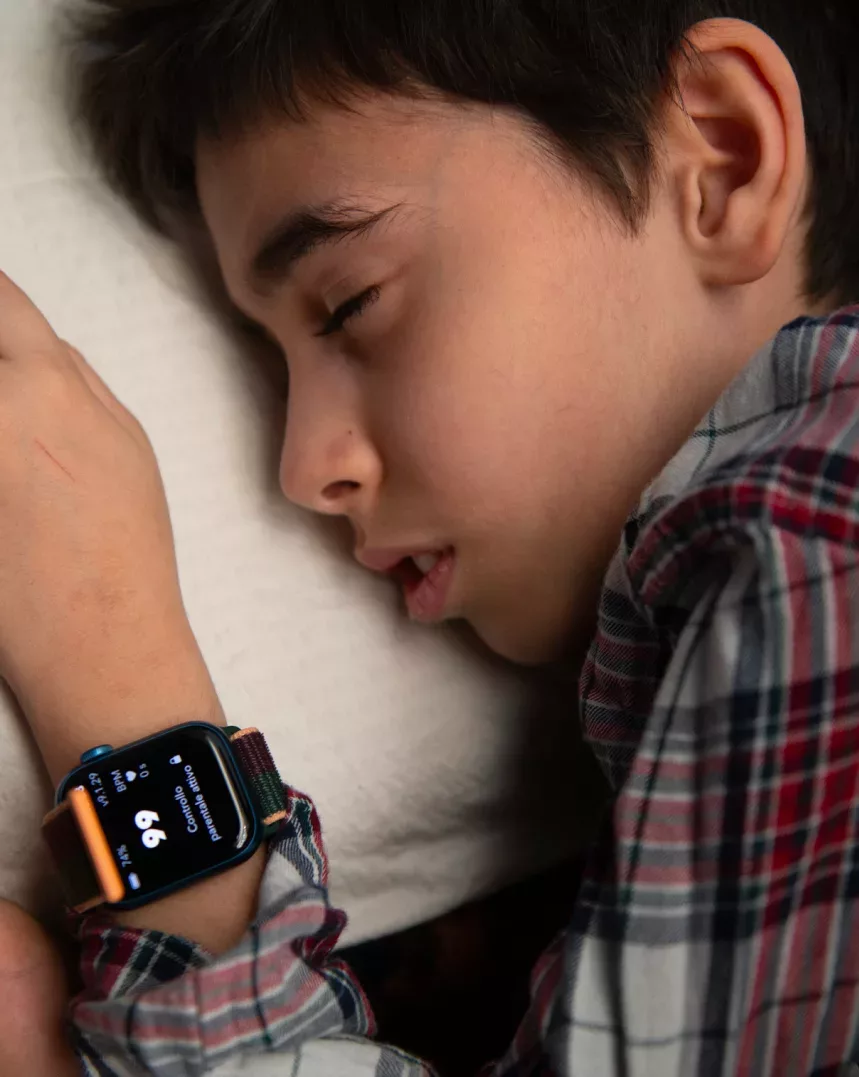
{"x": 24, "y": 330}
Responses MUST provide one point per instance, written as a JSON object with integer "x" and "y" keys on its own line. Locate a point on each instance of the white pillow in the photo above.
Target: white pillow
{"x": 434, "y": 781}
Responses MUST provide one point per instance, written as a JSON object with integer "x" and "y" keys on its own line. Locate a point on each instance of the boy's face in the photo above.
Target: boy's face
{"x": 503, "y": 396}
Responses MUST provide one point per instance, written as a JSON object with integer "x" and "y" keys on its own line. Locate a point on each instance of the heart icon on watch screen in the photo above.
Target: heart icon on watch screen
{"x": 130, "y": 775}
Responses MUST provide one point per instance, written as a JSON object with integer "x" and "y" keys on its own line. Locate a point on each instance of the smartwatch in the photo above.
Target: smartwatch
{"x": 134, "y": 824}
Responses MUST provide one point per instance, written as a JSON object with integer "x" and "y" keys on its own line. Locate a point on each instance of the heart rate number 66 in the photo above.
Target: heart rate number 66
{"x": 150, "y": 837}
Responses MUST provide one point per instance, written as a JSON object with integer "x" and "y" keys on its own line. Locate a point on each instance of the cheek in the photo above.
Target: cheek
{"x": 478, "y": 419}
{"x": 501, "y": 395}
{"x": 490, "y": 380}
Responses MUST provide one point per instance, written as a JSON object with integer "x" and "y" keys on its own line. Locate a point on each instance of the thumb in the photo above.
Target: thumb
{"x": 24, "y": 330}
{"x": 101, "y": 391}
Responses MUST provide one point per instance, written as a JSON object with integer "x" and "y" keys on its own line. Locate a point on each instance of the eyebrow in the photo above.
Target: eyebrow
{"x": 303, "y": 231}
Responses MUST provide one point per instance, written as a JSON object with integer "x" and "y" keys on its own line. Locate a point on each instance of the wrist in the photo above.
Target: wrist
{"x": 124, "y": 694}
{"x": 210, "y": 817}
{"x": 214, "y": 913}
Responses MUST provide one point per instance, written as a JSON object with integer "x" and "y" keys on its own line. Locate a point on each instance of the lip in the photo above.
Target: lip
{"x": 384, "y": 560}
{"x": 426, "y": 597}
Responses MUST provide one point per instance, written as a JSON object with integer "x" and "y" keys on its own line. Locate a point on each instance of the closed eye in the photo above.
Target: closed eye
{"x": 352, "y": 308}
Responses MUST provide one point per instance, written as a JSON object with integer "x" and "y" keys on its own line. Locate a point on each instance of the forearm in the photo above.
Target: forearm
{"x": 135, "y": 683}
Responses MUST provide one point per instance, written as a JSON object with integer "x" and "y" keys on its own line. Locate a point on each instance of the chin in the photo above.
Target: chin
{"x": 523, "y": 644}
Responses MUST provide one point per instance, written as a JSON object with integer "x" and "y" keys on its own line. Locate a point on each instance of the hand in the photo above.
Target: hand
{"x": 89, "y": 587}
{"x": 33, "y": 998}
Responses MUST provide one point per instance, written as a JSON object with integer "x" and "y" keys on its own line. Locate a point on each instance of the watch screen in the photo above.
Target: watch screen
{"x": 170, "y": 807}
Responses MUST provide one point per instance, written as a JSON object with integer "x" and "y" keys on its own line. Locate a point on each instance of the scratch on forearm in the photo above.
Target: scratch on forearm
{"x": 57, "y": 462}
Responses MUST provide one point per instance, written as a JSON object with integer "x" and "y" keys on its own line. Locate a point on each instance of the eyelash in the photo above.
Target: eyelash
{"x": 352, "y": 308}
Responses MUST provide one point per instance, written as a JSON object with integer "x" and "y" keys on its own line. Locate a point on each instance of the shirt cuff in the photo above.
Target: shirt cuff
{"x": 149, "y": 996}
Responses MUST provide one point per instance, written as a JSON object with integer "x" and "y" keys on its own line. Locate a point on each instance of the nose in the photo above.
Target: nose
{"x": 328, "y": 464}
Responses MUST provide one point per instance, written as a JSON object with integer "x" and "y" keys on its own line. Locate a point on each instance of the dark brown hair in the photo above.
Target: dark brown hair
{"x": 150, "y": 76}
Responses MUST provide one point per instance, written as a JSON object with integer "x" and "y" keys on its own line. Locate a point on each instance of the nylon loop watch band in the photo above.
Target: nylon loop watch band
{"x": 257, "y": 765}
{"x": 84, "y": 885}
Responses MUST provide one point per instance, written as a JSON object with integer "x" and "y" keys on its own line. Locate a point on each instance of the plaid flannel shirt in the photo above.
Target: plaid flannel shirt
{"x": 717, "y": 928}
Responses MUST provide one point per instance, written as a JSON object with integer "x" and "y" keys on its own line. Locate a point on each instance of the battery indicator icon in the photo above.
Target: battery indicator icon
{"x": 134, "y": 881}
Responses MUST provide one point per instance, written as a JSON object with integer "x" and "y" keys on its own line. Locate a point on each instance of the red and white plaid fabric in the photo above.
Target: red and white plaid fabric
{"x": 717, "y": 928}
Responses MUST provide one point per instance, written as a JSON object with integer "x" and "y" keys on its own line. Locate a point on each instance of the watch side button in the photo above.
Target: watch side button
{"x": 95, "y": 753}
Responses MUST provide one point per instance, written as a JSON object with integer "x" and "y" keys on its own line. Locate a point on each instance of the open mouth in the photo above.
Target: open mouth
{"x": 412, "y": 570}
{"x": 425, "y": 579}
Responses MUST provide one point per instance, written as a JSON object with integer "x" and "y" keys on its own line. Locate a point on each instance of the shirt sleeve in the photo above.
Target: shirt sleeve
{"x": 717, "y": 931}
{"x": 155, "y": 1003}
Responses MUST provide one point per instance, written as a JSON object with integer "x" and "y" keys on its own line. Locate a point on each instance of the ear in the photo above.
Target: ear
{"x": 735, "y": 150}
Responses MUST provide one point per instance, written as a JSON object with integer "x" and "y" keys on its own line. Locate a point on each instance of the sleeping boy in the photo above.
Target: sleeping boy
{"x": 564, "y": 292}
